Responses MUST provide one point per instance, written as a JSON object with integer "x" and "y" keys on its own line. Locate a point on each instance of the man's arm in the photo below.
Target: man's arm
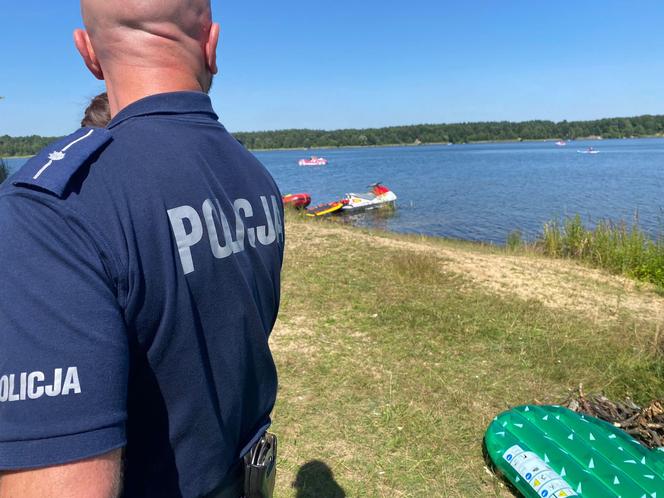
{"x": 63, "y": 349}
{"x": 98, "y": 477}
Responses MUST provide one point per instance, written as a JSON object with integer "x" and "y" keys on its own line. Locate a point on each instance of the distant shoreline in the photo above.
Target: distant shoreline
{"x": 644, "y": 126}
{"x": 424, "y": 144}
{"x": 477, "y": 142}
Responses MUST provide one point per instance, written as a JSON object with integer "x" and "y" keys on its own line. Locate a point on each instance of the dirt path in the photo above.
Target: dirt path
{"x": 558, "y": 284}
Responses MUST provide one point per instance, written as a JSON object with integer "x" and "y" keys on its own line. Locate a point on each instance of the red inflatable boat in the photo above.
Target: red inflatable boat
{"x": 297, "y": 201}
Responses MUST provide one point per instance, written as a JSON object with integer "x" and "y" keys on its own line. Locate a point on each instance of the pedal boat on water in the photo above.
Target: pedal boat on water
{"x": 378, "y": 197}
{"x": 313, "y": 161}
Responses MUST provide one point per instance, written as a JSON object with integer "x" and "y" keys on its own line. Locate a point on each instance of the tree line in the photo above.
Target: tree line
{"x": 23, "y": 146}
{"x": 639, "y": 126}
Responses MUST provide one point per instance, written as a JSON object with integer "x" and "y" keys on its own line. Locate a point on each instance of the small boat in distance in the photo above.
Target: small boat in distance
{"x": 561, "y": 143}
{"x": 589, "y": 150}
{"x": 313, "y": 161}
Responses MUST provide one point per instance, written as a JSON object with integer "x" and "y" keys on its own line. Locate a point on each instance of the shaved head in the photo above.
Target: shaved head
{"x": 182, "y": 12}
{"x": 148, "y": 46}
{"x": 150, "y": 21}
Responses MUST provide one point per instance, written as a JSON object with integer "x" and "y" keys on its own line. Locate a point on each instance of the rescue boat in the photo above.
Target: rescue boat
{"x": 378, "y": 197}
{"x": 327, "y": 208}
{"x": 313, "y": 161}
{"x": 297, "y": 201}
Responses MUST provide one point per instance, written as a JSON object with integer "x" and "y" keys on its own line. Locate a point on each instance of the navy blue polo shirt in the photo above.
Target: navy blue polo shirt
{"x": 139, "y": 284}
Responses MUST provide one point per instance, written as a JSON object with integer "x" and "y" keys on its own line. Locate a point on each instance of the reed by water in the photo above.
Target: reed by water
{"x": 620, "y": 248}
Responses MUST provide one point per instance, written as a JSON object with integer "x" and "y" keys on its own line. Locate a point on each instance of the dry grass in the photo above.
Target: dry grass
{"x": 559, "y": 284}
{"x": 394, "y": 353}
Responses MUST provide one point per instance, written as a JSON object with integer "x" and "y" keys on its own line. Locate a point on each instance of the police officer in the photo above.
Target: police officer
{"x": 139, "y": 280}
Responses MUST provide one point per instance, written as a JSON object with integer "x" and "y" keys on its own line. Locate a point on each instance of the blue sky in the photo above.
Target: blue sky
{"x": 313, "y": 64}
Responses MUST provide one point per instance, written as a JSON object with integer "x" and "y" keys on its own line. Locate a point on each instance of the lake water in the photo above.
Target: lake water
{"x": 483, "y": 191}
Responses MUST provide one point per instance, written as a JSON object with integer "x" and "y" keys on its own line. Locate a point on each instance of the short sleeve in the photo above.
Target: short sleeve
{"x": 63, "y": 344}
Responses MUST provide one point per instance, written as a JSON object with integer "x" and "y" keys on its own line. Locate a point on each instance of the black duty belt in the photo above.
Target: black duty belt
{"x": 255, "y": 475}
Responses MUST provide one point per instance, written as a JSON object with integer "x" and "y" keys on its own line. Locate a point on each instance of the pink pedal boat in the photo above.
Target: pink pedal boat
{"x": 313, "y": 161}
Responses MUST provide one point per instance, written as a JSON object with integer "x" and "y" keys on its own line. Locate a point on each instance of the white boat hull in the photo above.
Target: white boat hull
{"x": 367, "y": 201}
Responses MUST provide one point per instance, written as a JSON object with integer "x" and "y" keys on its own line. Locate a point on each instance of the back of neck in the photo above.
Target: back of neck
{"x": 126, "y": 85}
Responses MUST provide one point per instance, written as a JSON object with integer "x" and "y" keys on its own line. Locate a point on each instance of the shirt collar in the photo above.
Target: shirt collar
{"x": 166, "y": 103}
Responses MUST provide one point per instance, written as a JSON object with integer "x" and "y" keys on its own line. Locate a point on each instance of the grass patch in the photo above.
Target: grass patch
{"x": 392, "y": 365}
{"x": 514, "y": 240}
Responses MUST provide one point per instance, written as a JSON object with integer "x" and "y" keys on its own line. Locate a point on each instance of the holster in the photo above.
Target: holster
{"x": 260, "y": 468}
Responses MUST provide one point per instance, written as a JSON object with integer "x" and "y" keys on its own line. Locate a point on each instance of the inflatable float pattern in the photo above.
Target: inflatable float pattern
{"x": 552, "y": 452}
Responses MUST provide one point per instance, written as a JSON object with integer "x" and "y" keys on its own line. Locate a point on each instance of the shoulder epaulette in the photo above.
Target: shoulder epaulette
{"x": 54, "y": 166}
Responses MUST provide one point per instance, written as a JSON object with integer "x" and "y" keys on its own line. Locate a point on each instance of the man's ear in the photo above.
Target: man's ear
{"x": 84, "y": 47}
{"x": 211, "y": 48}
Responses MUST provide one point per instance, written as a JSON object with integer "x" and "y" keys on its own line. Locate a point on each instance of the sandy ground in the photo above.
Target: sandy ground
{"x": 558, "y": 284}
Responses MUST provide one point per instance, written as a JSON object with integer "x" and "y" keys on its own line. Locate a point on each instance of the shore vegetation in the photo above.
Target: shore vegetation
{"x": 620, "y": 248}
{"x": 23, "y": 146}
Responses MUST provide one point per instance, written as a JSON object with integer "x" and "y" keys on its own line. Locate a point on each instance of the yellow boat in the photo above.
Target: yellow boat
{"x": 326, "y": 209}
